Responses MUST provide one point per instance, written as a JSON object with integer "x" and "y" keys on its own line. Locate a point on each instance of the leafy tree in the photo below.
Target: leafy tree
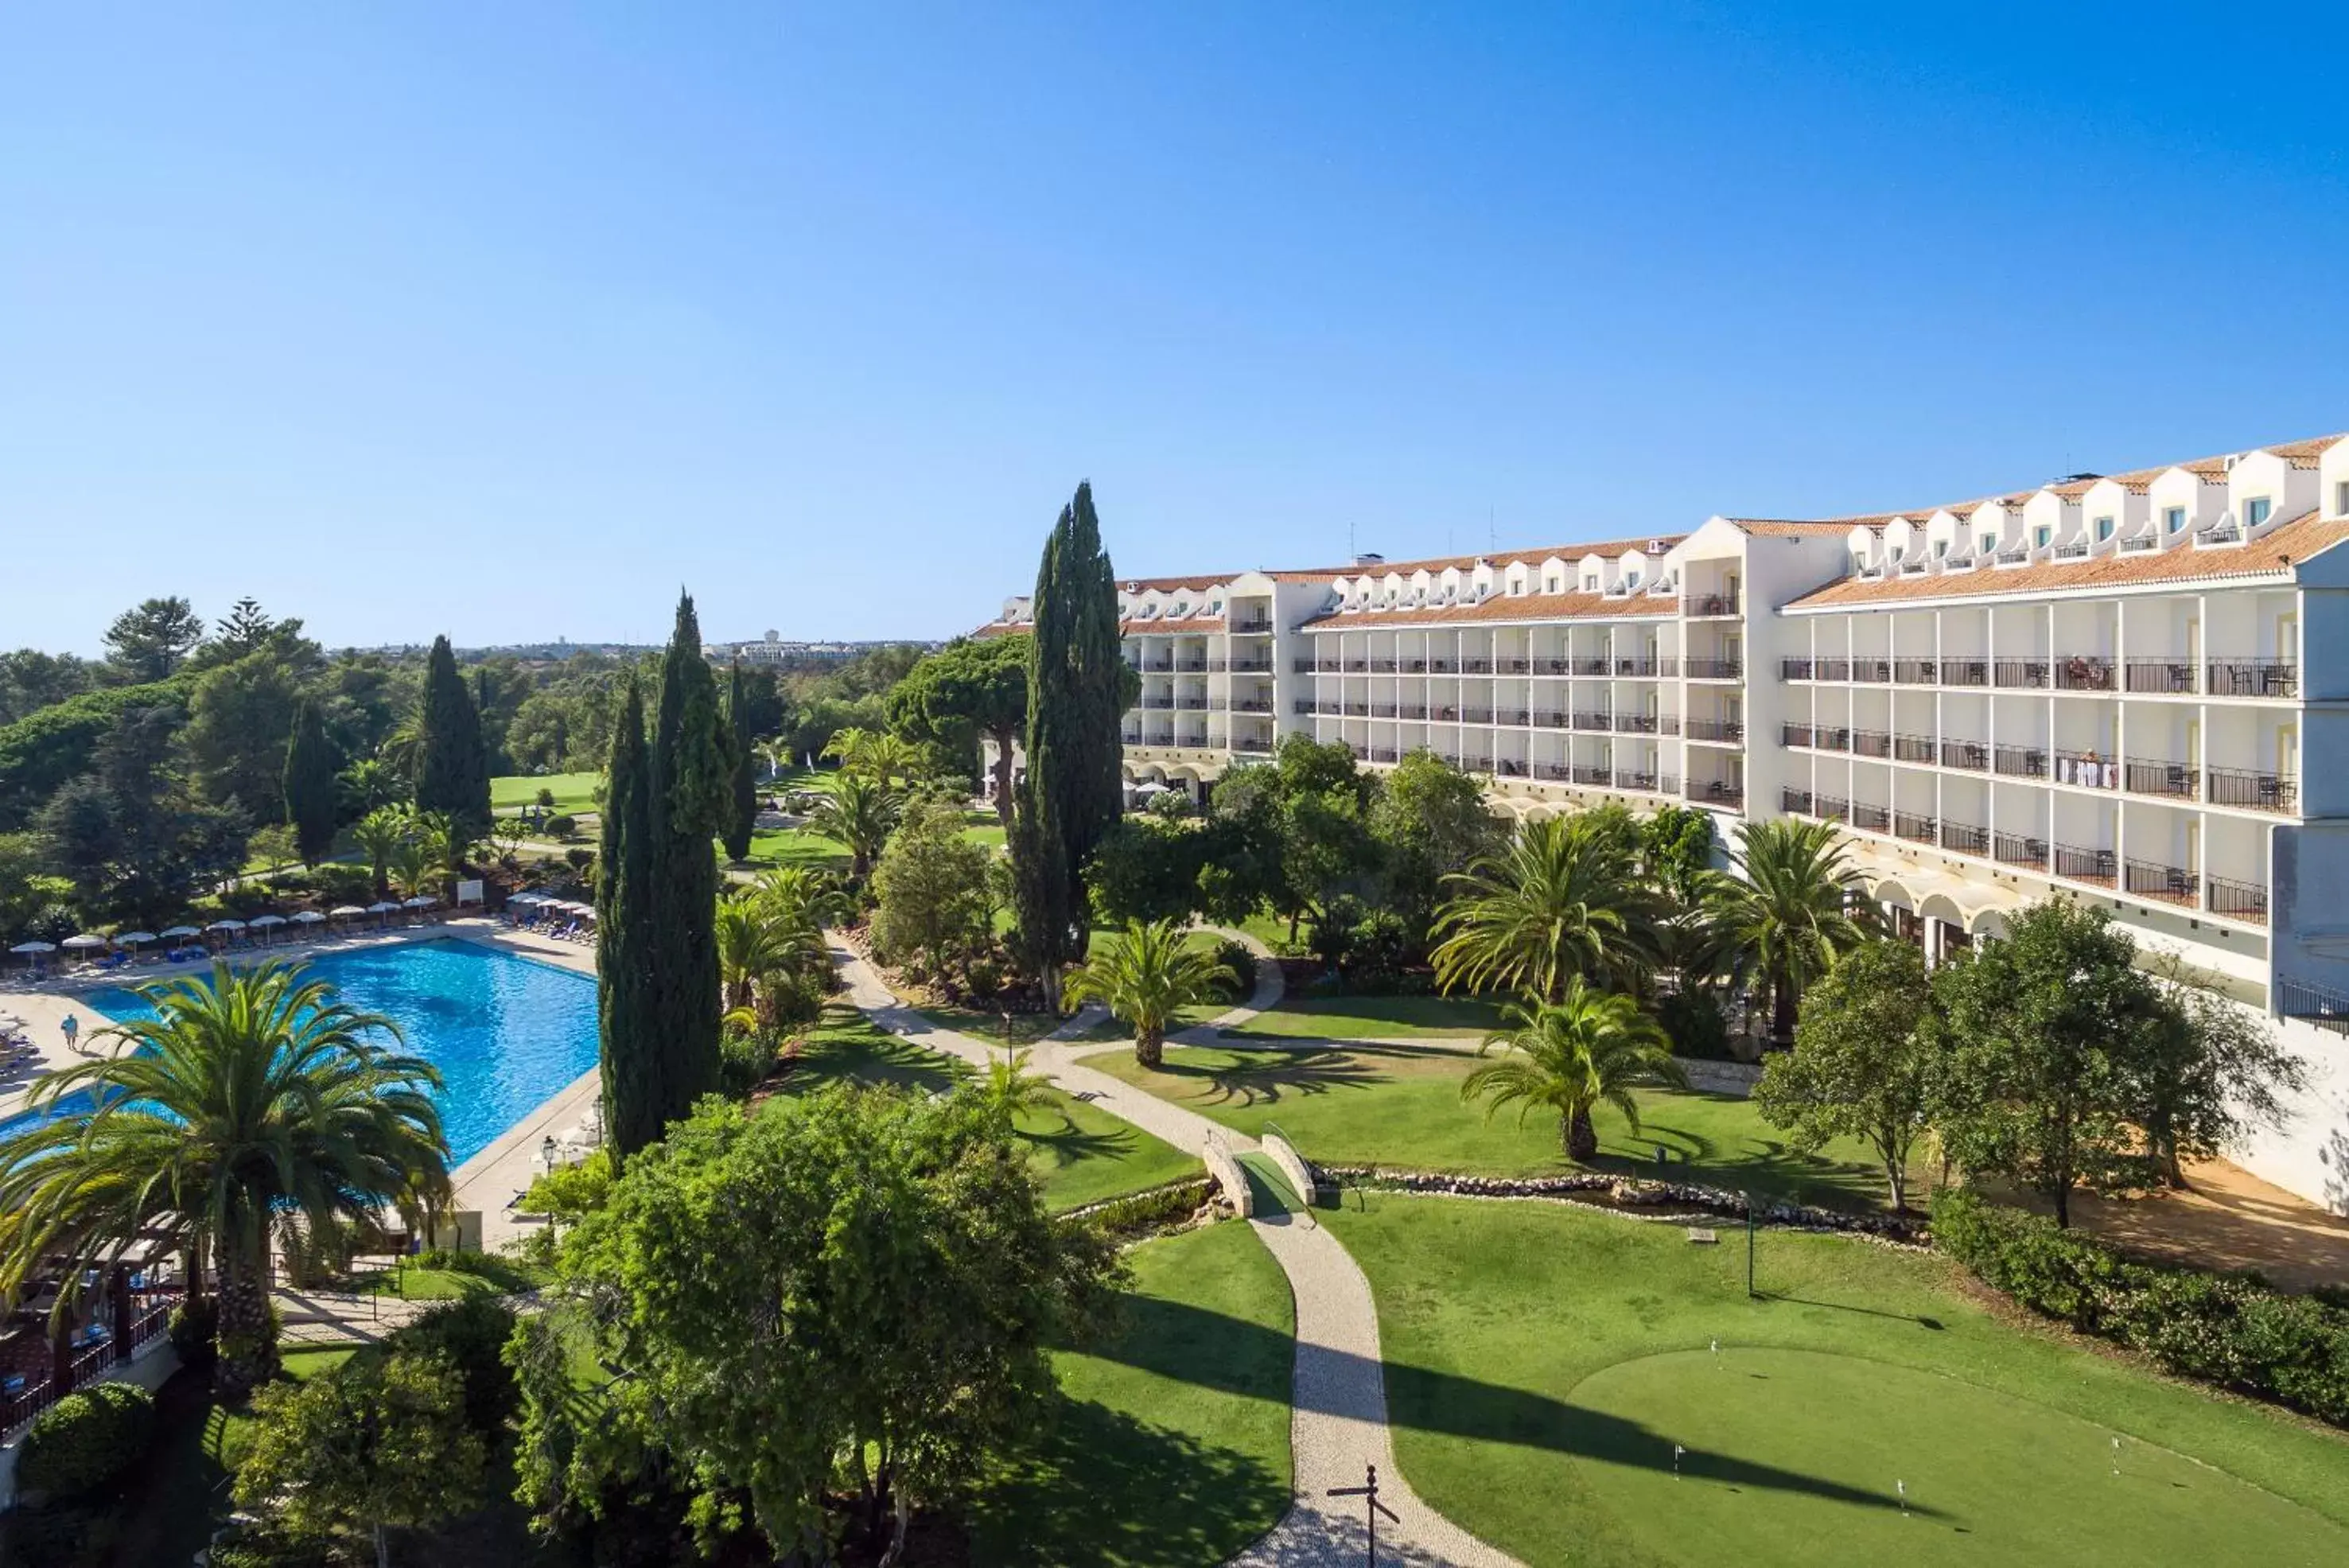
{"x": 1145, "y": 975}
{"x": 765, "y": 944}
{"x": 28, "y": 890}
{"x": 978, "y": 684}
{"x": 741, "y": 817}
{"x": 1430, "y": 822}
{"x": 1792, "y": 907}
{"x": 251, "y": 1096}
{"x": 378, "y": 1443}
{"x": 859, "y": 812}
{"x": 31, "y": 681}
{"x": 133, "y": 835}
{"x": 1864, "y": 1060}
{"x": 873, "y": 1313}
{"x": 311, "y": 807}
{"x": 379, "y": 835}
{"x": 1074, "y": 791}
{"x": 452, "y": 762}
{"x": 150, "y": 643}
{"x": 930, "y": 887}
{"x": 49, "y": 750}
{"x": 244, "y": 630}
{"x": 1149, "y": 868}
{"x": 1676, "y": 844}
{"x": 1561, "y": 902}
{"x": 1567, "y": 1056}
{"x": 2216, "y": 1073}
{"x": 240, "y": 719}
{"x": 888, "y": 760}
{"x": 2045, "y": 1031}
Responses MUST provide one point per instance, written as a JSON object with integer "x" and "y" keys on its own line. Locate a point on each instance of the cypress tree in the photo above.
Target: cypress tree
{"x": 310, "y": 768}
{"x": 688, "y": 771}
{"x": 630, "y": 1047}
{"x": 452, "y": 774}
{"x": 1073, "y": 793}
{"x": 742, "y": 804}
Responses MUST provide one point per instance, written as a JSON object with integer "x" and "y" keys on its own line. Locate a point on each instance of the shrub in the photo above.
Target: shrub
{"x": 743, "y": 1063}
{"x": 193, "y": 1328}
{"x": 2226, "y": 1329}
{"x": 579, "y": 858}
{"x": 1376, "y": 949}
{"x": 1332, "y": 936}
{"x": 1173, "y": 805}
{"x": 545, "y": 798}
{"x": 1693, "y": 1019}
{"x": 562, "y": 825}
{"x": 472, "y": 1334}
{"x": 87, "y": 1439}
{"x": 341, "y": 883}
{"x": 1140, "y": 1212}
{"x": 1240, "y": 958}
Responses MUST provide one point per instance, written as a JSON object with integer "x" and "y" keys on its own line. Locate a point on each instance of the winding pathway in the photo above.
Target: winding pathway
{"x": 1338, "y": 1420}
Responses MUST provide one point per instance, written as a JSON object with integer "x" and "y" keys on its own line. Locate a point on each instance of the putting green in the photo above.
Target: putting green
{"x": 1792, "y": 1456}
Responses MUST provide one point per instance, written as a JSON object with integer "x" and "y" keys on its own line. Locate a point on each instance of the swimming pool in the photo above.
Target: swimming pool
{"x": 506, "y": 1033}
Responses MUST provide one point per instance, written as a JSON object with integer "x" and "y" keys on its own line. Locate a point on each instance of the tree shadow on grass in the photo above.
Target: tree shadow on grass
{"x": 1292, "y": 1073}
{"x": 1098, "y": 1486}
{"x": 1332, "y": 1382}
{"x": 846, "y": 1048}
{"x": 1071, "y": 1142}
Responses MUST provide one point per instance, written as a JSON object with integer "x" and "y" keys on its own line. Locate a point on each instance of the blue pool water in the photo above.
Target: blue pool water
{"x": 505, "y": 1033}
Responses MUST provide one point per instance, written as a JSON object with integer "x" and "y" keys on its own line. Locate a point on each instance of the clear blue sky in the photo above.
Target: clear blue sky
{"x": 507, "y": 319}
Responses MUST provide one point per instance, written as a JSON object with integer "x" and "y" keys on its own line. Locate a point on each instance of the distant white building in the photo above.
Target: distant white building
{"x": 773, "y": 650}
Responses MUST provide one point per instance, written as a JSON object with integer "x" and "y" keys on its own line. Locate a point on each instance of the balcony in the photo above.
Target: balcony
{"x": 2014, "y": 554}
{"x": 2017, "y": 849}
{"x": 1794, "y": 802}
{"x": 2254, "y": 678}
{"x": 1383, "y": 754}
{"x": 1874, "y": 818}
{"x": 1383, "y": 710}
{"x": 1832, "y": 807}
{"x": 1915, "y": 672}
{"x": 1191, "y": 705}
{"x": 1476, "y": 715}
{"x": 1253, "y": 747}
{"x": 1871, "y": 743}
{"x": 1972, "y": 755}
{"x": 1645, "y": 668}
{"x": 1830, "y": 737}
{"x": 1716, "y": 669}
{"x": 1794, "y": 670}
{"x": 1550, "y": 721}
{"x": 1156, "y": 667}
{"x": 2087, "y": 770}
{"x": 2223, "y": 532}
{"x": 1513, "y": 716}
{"x": 1965, "y": 671}
{"x": 1635, "y": 723}
{"x": 1832, "y": 668}
{"x": 1603, "y": 777}
{"x": 2255, "y": 790}
{"x": 1307, "y": 666}
{"x": 1305, "y": 707}
{"x": 1793, "y": 734}
{"x": 2160, "y": 675}
{"x": 2084, "y": 672}
{"x": 1515, "y": 665}
{"x": 2175, "y": 780}
{"x": 2238, "y": 900}
{"x": 1648, "y": 781}
{"x": 2170, "y": 883}
{"x": 1552, "y": 667}
{"x": 1557, "y": 772}
{"x": 2072, "y": 550}
{"x": 1443, "y": 666}
{"x": 1259, "y": 665}
{"x": 1167, "y": 703}
{"x": 1602, "y": 664}
{"x": 1721, "y": 732}
{"x": 2099, "y": 867}
{"x": 1594, "y": 721}
{"x": 1913, "y": 748}
{"x": 1412, "y": 711}
{"x": 1253, "y": 705}
{"x": 1872, "y": 671}
{"x": 1130, "y": 737}
{"x": 1913, "y": 825}
{"x": 1717, "y": 792}
{"x": 1668, "y": 724}
{"x": 1193, "y": 665}
{"x": 1509, "y": 768}
{"x": 1702, "y": 607}
{"x": 1358, "y": 710}
{"x": 1383, "y": 667}
{"x": 2020, "y": 761}
{"x": 2031, "y": 674}
{"x": 2137, "y": 542}
{"x": 1253, "y": 626}
{"x": 1965, "y": 838}
{"x": 2313, "y": 1005}
{"x": 1358, "y": 666}
{"x": 1475, "y": 667}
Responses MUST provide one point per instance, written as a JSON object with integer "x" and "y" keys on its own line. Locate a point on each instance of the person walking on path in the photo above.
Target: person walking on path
{"x": 72, "y": 1027}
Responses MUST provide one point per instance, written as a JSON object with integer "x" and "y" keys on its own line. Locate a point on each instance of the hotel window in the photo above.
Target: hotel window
{"x": 2255, "y": 511}
{"x": 1551, "y": 588}
{"x": 1989, "y": 543}
{"x": 2041, "y": 534}
{"x": 2104, "y": 529}
{"x": 2341, "y": 498}
{"x": 1589, "y": 582}
{"x": 1940, "y": 548}
{"x": 1858, "y": 563}
{"x": 2173, "y": 518}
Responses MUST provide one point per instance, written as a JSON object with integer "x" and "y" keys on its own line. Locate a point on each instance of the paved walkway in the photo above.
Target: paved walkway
{"x": 1338, "y": 1420}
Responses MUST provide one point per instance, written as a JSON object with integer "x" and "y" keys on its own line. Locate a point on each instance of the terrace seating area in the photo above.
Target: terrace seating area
{"x": 110, "y": 1317}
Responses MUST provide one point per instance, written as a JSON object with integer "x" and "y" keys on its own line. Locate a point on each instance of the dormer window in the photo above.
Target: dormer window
{"x": 1941, "y": 549}
{"x": 1989, "y": 543}
{"x": 1858, "y": 563}
{"x": 2255, "y": 511}
{"x": 2040, "y": 536}
{"x": 1589, "y": 582}
{"x": 2341, "y": 498}
{"x": 2104, "y": 529}
{"x": 1551, "y": 586}
{"x": 2173, "y": 518}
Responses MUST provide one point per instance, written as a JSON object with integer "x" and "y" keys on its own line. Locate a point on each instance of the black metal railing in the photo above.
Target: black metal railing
{"x": 1716, "y": 669}
{"x": 1914, "y": 824}
{"x": 2020, "y": 761}
{"x": 1915, "y": 672}
{"x": 1730, "y": 731}
{"x": 1832, "y": 669}
{"x": 1965, "y": 671}
{"x": 1668, "y": 724}
{"x": 1795, "y": 801}
{"x": 2238, "y": 900}
{"x": 1476, "y": 715}
{"x": 2160, "y": 675}
{"x": 2170, "y": 883}
{"x": 2312, "y": 1005}
{"x": 2175, "y": 780}
{"x": 1712, "y": 605}
{"x": 1833, "y": 807}
{"x": 2253, "y": 677}
{"x": 1793, "y": 734}
{"x": 2020, "y": 849}
{"x": 2258, "y": 791}
{"x": 2022, "y": 672}
{"x": 2096, "y": 865}
{"x": 1913, "y": 748}
{"x": 2088, "y": 769}
{"x": 1636, "y": 723}
{"x": 1871, "y": 743}
{"x": 1550, "y": 721}
{"x": 1872, "y": 671}
{"x": 1830, "y": 737}
{"x": 1645, "y": 781}
{"x": 1475, "y": 667}
{"x": 1585, "y": 774}
{"x": 2084, "y": 672}
{"x": 1971, "y": 754}
{"x": 1794, "y": 670}
{"x": 1716, "y": 792}
{"x": 1552, "y": 667}
{"x": 1648, "y": 668}
{"x": 1874, "y": 818}
{"x": 1598, "y": 665}
{"x": 1965, "y": 838}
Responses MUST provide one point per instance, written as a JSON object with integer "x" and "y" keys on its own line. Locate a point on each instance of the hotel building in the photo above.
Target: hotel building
{"x": 2128, "y": 690}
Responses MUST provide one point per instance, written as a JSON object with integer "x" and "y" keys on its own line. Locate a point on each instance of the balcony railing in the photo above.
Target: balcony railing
{"x": 1871, "y": 743}
{"x": 1728, "y": 731}
{"x": 1250, "y": 627}
{"x": 2238, "y": 900}
{"x": 1831, "y": 670}
{"x": 1716, "y": 669}
{"x": 1793, "y": 734}
{"x": 1833, "y": 807}
{"x": 1648, "y": 668}
{"x": 1586, "y": 720}
{"x": 1636, "y": 723}
{"x": 1592, "y": 776}
{"x": 1358, "y": 666}
{"x": 2032, "y": 673}
{"x": 2100, "y": 866}
{"x": 1701, "y": 605}
{"x": 1648, "y": 781}
{"x": 1794, "y": 802}
{"x": 2175, "y": 780}
{"x": 2084, "y": 672}
{"x": 2312, "y": 1005}
{"x": 1965, "y": 671}
{"x": 1191, "y": 705}
{"x": 1515, "y": 665}
{"x": 1830, "y": 737}
{"x": 2071, "y": 550}
{"x": 2020, "y": 849}
{"x": 1872, "y": 671}
{"x": 1358, "y": 710}
{"x": 1550, "y": 721}
{"x": 2137, "y": 542}
{"x": 1383, "y": 754}
{"x": 1874, "y": 818}
{"x": 1915, "y": 672}
{"x": 2014, "y": 554}
{"x": 1158, "y": 701}
{"x": 1443, "y": 666}
{"x": 1476, "y": 715}
{"x": 1794, "y": 670}
{"x": 2020, "y": 761}
{"x": 1913, "y": 748}
{"x": 1972, "y": 754}
{"x": 1383, "y": 710}
{"x": 1305, "y": 706}
{"x": 1475, "y": 667}
{"x": 1384, "y": 667}
{"x": 1965, "y": 838}
{"x": 2088, "y": 770}
{"x": 1509, "y": 767}
{"x": 1912, "y": 825}
{"x": 1513, "y": 716}
{"x": 1600, "y": 665}
{"x": 1668, "y": 724}
{"x": 2258, "y": 791}
{"x": 2254, "y": 678}
{"x": 2222, "y": 532}
{"x": 1196, "y": 666}
{"x": 1557, "y": 772}
{"x": 1253, "y": 705}
{"x": 1307, "y": 666}
{"x": 2160, "y": 675}
{"x": 2170, "y": 883}
{"x": 1158, "y": 667}
{"x": 1717, "y": 792}
{"x": 1552, "y": 667}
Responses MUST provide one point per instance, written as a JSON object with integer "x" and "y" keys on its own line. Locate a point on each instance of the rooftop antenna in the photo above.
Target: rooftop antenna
{"x": 1349, "y": 542}
{"x": 1492, "y": 540}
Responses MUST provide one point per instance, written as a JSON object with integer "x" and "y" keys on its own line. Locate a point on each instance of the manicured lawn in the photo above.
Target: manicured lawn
{"x": 490, "y": 1275}
{"x": 1170, "y": 1446}
{"x": 1398, "y": 1105}
{"x": 1082, "y": 1155}
{"x": 1543, "y": 1362}
{"x": 574, "y": 793}
{"x": 1027, "y": 1028}
{"x": 1311, "y": 1015}
{"x": 796, "y": 847}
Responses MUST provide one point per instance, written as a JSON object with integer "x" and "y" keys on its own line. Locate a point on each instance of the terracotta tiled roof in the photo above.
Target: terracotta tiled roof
{"x": 1502, "y": 607}
{"x": 1170, "y": 584}
{"x": 2273, "y": 553}
{"x": 1169, "y": 623}
{"x": 1799, "y": 527}
{"x": 2305, "y": 453}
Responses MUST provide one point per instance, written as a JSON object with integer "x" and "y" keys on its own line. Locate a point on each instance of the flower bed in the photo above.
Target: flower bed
{"x": 1603, "y": 1189}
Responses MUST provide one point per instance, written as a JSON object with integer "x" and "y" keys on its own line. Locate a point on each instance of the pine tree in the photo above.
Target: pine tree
{"x": 687, "y": 771}
{"x": 630, "y": 1048}
{"x": 742, "y": 806}
{"x": 452, "y": 770}
{"x": 1073, "y": 793}
{"x": 311, "y": 765}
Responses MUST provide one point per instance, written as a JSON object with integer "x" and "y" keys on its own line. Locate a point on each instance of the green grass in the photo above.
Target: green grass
{"x": 1027, "y": 1028}
{"x": 1170, "y": 1444}
{"x": 1082, "y": 1155}
{"x": 794, "y": 847}
{"x": 1333, "y": 1015}
{"x": 1542, "y": 1362}
{"x": 574, "y": 793}
{"x": 1398, "y": 1105}
{"x": 488, "y": 1275}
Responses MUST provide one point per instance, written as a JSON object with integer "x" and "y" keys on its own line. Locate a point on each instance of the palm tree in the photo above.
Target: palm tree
{"x": 806, "y": 893}
{"x": 249, "y": 1099}
{"x": 1563, "y": 899}
{"x": 1145, "y": 975}
{"x": 379, "y": 834}
{"x": 860, "y": 813}
{"x": 1567, "y": 1056}
{"x": 1010, "y": 1088}
{"x": 755, "y": 944}
{"x": 366, "y": 785}
{"x": 876, "y": 753}
{"x": 403, "y": 750}
{"x": 415, "y": 866}
{"x": 1793, "y": 905}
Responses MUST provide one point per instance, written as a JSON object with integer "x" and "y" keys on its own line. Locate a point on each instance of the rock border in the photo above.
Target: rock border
{"x": 1621, "y": 1192}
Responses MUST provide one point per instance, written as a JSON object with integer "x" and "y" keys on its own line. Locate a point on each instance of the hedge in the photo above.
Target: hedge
{"x": 2233, "y": 1330}
{"x": 85, "y": 1439}
{"x": 1153, "y": 1209}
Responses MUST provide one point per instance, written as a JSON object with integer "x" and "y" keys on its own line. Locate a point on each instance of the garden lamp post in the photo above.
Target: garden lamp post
{"x": 1368, "y": 1492}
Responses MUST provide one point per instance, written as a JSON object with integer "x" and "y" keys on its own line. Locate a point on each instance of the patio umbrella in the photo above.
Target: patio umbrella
{"x": 422, "y": 901}
{"x": 527, "y": 898}
{"x": 225, "y": 926}
{"x": 309, "y": 918}
{"x": 264, "y": 922}
{"x": 84, "y": 941}
{"x": 29, "y": 947}
{"x": 384, "y": 908}
{"x": 172, "y": 933}
{"x": 344, "y": 912}
{"x": 132, "y": 939}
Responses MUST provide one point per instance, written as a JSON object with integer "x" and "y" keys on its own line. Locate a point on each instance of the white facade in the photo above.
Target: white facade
{"x": 2132, "y": 690}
